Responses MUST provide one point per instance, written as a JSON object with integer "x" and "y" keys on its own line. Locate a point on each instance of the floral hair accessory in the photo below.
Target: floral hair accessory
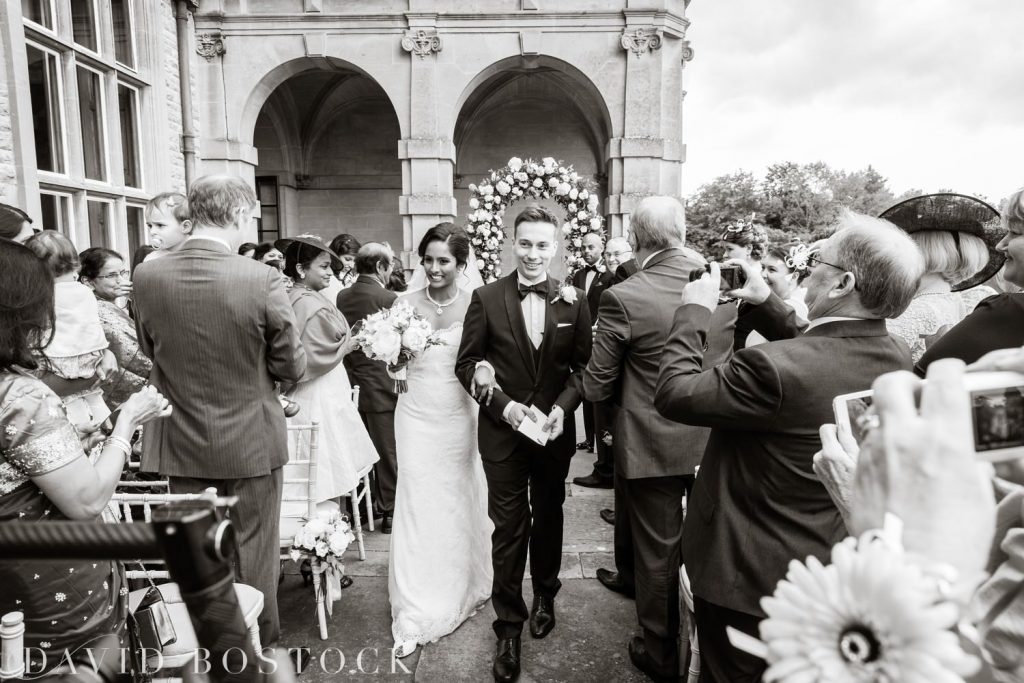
{"x": 871, "y": 615}
{"x": 798, "y": 257}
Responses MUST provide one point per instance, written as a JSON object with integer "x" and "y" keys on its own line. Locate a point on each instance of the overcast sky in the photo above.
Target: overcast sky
{"x": 930, "y": 92}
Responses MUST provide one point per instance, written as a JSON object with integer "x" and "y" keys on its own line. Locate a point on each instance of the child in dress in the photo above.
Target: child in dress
{"x": 78, "y": 347}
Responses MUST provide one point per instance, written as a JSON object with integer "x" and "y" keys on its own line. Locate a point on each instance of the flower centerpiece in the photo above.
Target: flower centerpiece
{"x": 546, "y": 179}
{"x": 396, "y": 335}
{"x": 323, "y": 540}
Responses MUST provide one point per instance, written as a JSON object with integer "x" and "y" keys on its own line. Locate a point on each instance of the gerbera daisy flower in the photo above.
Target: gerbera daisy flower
{"x": 869, "y": 617}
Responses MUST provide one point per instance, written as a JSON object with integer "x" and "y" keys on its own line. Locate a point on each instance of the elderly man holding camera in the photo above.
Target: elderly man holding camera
{"x": 757, "y": 503}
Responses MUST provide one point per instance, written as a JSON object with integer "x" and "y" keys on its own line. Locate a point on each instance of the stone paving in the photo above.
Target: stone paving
{"x": 588, "y": 643}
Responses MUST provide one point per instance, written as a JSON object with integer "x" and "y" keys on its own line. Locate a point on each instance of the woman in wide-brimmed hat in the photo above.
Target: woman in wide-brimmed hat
{"x": 958, "y": 236}
{"x": 324, "y": 390}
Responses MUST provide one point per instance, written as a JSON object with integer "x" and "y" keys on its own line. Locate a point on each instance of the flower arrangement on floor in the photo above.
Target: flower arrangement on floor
{"x": 547, "y": 179}
{"x": 396, "y": 335}
{"x": 323, "y": 541}
{"x": 872, "y": 615}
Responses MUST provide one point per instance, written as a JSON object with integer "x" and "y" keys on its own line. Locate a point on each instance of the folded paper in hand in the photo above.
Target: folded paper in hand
{"x": 531, "y": 429}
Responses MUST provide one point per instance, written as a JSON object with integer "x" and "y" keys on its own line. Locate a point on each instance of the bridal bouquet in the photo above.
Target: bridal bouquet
{"x": 396, "y": 336}
{"x": 323, "y": 540}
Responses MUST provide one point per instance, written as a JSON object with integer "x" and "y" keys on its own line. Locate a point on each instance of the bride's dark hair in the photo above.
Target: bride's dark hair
{"x": 455, "y": 237}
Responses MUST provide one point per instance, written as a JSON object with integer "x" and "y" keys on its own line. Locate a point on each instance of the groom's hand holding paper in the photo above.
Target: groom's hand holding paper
{"x": 553, "y": 424}
{"x": 531, "y": 426}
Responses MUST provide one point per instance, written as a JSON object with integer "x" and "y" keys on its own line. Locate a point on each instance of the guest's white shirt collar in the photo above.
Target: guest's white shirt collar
{"x": 829, "y": 319}
{"x": 211, "y": 238}
{"x": 647, "y": 260}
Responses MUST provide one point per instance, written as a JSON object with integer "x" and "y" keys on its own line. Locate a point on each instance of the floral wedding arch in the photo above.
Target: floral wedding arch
{"x": 548, "y": 179}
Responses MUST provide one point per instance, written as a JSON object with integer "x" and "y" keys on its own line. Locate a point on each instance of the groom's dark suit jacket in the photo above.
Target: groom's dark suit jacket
{"x": 757, "y": 503}
{"x": 552, "y": 375}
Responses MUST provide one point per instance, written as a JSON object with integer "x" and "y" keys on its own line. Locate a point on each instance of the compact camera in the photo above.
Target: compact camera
{"x": 997, "y": 413}
{"x": 733, "y": 277}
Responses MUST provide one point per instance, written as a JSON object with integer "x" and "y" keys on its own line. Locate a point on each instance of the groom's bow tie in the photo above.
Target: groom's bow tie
{"x": 540, "y": 289}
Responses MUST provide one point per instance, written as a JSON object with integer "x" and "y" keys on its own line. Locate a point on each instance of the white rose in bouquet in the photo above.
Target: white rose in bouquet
{"x": 563, "y": 189}
{"x": 474, "y": 203}
{"x": 316, "y": 526}
{"x": 537, "y": 182}
{"x": 503, "y": 188}
{"x": 577, "y": 242}
{"x": 322, "y": 549}
{"x": 572, "y": 207}
{"x": 388, "y": 345}
{"x": 582, "y": 215}
{"x": 472, "y": 187}
{"x": 584, "y": 194}
{"x": 415, "y": 338}
{"x": 515, "y": 163}
{"x": 552, "y": 182}
{"x": 549, "y": 162}
{"x": 521, "y": 177}
{"x": 566, "y": 229}
{"x": 573, "y": 194}
{"x": 595, "y": 223}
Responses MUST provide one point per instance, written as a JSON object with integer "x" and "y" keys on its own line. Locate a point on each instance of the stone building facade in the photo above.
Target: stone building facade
{"x": 370, "y": 117}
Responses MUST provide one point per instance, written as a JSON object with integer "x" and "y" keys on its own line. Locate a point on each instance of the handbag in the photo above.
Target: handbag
{"x": 153, "y": 620}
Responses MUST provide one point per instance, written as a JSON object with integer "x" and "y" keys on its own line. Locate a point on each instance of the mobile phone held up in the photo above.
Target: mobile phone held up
{"x": 733, "y": 277}
{"x": 997, "y": 414}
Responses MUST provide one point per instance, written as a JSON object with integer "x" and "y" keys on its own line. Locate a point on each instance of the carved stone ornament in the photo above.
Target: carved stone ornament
{"x": 209, "y": 45}
{"x": 641, "y": 40}
{"x": 687, "y": 52}
{"x": 421, "y": 42}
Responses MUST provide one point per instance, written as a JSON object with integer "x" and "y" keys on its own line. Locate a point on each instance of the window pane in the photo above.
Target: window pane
{"x": 99, "y": 224}
{"x": 83, "y": 23}
{"x": 127, "y": 105}
{"x": 266, "y": 188}
{"x": 56, "y": 209}
{"x": 43, "y": 75}
{"x": 124, "y": 49}
{"x": 136, "y": 230}
{"x": 90, "y": 111}
{"x": 39, "y": 11}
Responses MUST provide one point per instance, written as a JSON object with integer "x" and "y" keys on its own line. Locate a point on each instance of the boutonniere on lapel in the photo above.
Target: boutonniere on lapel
{"x": 566, "y": 293}
{"x": 601, "y": 267}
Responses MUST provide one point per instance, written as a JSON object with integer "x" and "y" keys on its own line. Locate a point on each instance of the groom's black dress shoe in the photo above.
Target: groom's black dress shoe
{"x": 506, "y": 660}
{"x": 542, "y": 616}
{"x": 385, "y": 524}
{"x": 608, "y": 516}
{"x": 613, "y": 582}
{"x": 593, "y": 481}
{"x": 641, "y": 660}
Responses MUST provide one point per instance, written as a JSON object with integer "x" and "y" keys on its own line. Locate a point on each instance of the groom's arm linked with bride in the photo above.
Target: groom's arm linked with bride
{"x": 540, "y": 364}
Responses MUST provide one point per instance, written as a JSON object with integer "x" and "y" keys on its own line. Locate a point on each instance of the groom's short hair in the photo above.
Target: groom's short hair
{"x": 535, "y": 213}
{"x": 370, "y": 254}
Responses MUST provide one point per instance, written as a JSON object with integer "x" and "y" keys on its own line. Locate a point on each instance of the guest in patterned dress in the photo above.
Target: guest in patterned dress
{"x": 957, "y": 235}
{"x": 46, "y": 476}
{"x": 106, "y": 274}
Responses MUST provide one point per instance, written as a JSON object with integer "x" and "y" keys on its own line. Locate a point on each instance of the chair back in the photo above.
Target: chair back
{"x": 298, "y": 499}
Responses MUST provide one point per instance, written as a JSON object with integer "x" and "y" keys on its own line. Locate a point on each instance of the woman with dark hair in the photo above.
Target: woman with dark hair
{"x": 269, "y": 254}
{"x": 247, "y": 249}
{"x": 324, "y": 390}
{"x": 14, "y": 223}
{"x": 140, "y": 255}
{"x": 47, "y": 476}
{"x": 744, "y": 240}
{"x": 345, "y": 247}
{"x": 103, "y": 271}
{"x": 440, "y": 561}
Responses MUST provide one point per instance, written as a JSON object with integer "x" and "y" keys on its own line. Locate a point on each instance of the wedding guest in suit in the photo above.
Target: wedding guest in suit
{"x": 654, "y": 457}
{"x": 593, "y": 278}
{"x": 757, "y": 504}
{"x": 525, "y": 343}
{"x": 377, "y": 399}
{"x": 106, "y": 274}
{"x": 618, "y": 254}
{"x": 220, "y": 331}
{"x": 997, "y": 322}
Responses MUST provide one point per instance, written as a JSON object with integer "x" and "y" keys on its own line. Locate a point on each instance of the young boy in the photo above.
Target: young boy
{"x": 168, "y": 221}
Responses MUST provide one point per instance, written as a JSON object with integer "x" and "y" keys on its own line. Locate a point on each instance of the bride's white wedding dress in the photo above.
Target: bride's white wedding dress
{"x": 440, "y": 561}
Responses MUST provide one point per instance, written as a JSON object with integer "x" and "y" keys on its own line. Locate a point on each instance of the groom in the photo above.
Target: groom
{"x": 526, "y": 342}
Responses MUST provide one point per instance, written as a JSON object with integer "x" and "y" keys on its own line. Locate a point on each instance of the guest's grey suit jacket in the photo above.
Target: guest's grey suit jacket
{"x": 220, "y": 331}
{"x": 633, "y": 323}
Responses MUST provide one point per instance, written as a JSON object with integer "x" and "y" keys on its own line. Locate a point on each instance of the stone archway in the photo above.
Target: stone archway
{"x": 327, "y": 139}
{"x": 530, "y": 108}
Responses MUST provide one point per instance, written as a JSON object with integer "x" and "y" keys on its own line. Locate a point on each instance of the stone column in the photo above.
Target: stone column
{"x": 647, "y": 159}
{"x": 428, "y": 157}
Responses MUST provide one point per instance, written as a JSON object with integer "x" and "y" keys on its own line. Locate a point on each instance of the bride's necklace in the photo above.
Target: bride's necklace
{"x": 441, "y": 306}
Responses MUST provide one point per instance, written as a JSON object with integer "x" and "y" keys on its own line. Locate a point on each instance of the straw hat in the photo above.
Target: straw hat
{"x": 949, "y": 212}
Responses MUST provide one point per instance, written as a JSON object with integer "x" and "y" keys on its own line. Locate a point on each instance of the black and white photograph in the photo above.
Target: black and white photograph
{"x": 559, "y": 341}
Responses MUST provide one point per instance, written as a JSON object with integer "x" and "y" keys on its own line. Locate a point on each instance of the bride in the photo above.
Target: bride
{"x": 440, "y": 560}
